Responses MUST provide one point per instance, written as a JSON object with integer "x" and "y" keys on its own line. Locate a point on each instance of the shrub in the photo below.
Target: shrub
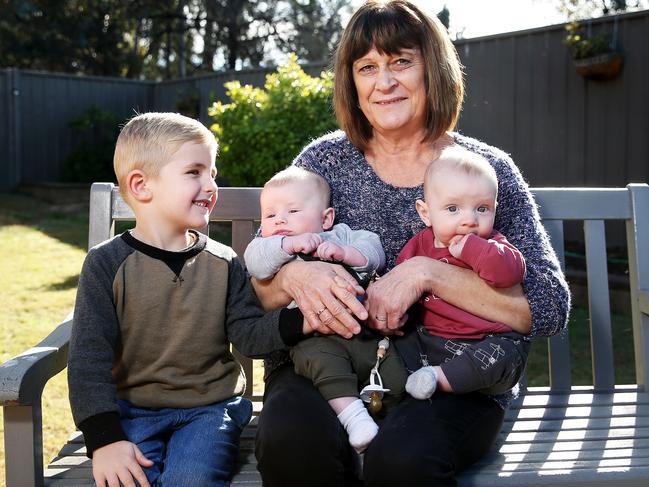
{"x": 582, "y": 45}
{"x": 92, "y": 160}
{"x": 188, "y": 103}
{"x": 262, "y": 129}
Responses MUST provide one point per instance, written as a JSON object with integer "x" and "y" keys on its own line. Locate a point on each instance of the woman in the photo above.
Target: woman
{"x": 398, "y": 93}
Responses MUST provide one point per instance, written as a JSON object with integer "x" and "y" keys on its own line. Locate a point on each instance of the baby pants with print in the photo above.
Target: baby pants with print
{"x": 491, "y": 365}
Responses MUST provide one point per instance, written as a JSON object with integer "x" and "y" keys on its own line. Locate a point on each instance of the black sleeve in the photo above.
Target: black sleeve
{"x": 94, "y": 338}
{"x": 252, "y": 331}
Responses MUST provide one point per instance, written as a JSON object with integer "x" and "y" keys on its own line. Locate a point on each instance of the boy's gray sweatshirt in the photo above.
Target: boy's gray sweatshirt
{"x": 154, "y": 327}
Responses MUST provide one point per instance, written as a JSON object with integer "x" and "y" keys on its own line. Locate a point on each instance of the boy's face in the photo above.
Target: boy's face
{"x": 184, "y": 192}
{"x": 293, "y": 209}
{"x": 457, "y": 204}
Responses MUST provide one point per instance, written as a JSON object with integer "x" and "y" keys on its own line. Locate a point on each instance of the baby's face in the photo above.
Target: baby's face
{"x": 458, "y": 204}
{"x": 291, "y": 209}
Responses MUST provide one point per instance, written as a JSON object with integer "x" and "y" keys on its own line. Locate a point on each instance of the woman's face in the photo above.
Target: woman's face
{"x": 391, "y": 90}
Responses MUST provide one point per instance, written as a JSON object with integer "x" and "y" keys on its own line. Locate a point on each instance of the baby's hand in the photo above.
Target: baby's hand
{"x": 120, "y": 463}
{"x": 305, "y": 243}
{"x": 331, "y": 251}
{"x": 456, "y": 245}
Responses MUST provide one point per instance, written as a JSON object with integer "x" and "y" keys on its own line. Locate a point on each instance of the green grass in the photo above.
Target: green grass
{"x": 41, "y": 251}
{"x": 580, "y": 353}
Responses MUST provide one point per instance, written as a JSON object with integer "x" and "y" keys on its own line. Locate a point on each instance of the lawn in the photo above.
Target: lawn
{"x": 42, "y": 248}
{"x": 41, "y": 251}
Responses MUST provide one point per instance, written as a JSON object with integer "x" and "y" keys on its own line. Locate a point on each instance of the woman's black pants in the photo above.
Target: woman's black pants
{"x": 300, "y": 442}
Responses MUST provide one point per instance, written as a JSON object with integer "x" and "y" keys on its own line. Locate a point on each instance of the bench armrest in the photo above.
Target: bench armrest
{"x": 23, "y": 377}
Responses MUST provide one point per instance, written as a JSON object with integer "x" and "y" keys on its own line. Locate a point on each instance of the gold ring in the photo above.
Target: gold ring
{"x": 320, "y": 311}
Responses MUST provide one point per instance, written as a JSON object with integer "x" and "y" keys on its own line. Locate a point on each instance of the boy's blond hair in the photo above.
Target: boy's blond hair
{"x": 149, "y": 140}
{"x": 463, "y": 160}
{"x": 294, "y": 174}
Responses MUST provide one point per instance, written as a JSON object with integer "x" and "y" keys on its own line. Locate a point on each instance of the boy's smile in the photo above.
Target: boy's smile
{"x": 184, "y": 192}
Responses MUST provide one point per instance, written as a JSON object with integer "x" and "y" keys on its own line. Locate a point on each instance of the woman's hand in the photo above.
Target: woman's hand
{"x": 390, "y": 297}
{"x": 326, "y": 294}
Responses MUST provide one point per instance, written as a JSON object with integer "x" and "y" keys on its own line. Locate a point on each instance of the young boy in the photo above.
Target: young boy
{"x": 153, "y": 385}
{"x": 296, "y": 218}
{"x": 467, "y": 353}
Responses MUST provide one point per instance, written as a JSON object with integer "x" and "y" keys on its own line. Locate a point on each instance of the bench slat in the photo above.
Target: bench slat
{"x": 537, "y": 413}
{"x": 603, "y": 477}
{"x": 101, "y": 225}
{"x": 601, "y": 339}
{"x": 558, "y": 345}
{"x": 583, "y": 203}
{"x": 539, "y": 463}
{"x": 637, "y": 237}
{"x": 242, "y": 234}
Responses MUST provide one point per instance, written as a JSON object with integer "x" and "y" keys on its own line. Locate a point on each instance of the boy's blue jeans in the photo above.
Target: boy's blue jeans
{"x": 190, "y": 447}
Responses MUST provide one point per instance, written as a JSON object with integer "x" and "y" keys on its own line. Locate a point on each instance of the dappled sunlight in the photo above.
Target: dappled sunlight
{"x": 513, "y": 460}
{"x": 565, "y": 435}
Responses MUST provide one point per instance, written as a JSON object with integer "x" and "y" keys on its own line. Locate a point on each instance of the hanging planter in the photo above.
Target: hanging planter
{"x": 596, "y": 56}
{"x": 601, "y": 67}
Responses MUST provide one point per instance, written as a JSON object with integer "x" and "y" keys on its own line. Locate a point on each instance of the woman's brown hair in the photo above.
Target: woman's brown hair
{"x": 391, "y": 26}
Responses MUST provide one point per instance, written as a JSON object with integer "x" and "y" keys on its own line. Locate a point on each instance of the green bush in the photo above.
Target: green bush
{"x": 261, "y": 130}
{"x": 92, "y": 160}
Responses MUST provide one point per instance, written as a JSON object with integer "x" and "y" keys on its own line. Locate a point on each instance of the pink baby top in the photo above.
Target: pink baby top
{"x": 494, "y": 259}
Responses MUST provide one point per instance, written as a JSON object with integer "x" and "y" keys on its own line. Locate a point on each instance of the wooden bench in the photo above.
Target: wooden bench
{"x": 556, "y": 435}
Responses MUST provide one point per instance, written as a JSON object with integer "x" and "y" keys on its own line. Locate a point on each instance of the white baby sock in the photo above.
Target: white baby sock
{"x": 359, "y": 425}
{"x": 422, "y": 383}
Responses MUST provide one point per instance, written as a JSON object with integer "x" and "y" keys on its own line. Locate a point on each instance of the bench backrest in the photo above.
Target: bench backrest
{"x": 593, "y": 206}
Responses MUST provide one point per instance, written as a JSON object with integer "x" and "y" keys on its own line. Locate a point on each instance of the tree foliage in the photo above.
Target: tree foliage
{"x": 584, "y": 9}
{"x": 163, "y": 38}
{"x": 262, "y": 129}
{"x": 60, "y": 35}
{"x": 96, "y": 131}
{"x": 313, "y": 27}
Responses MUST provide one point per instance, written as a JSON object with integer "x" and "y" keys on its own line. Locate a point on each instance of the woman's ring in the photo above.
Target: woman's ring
{"x": 320, "y": 311}
{"x": 381, "y": 318}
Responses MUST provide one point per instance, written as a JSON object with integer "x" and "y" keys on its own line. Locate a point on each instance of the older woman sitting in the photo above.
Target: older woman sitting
{"x": 398, "y": 94}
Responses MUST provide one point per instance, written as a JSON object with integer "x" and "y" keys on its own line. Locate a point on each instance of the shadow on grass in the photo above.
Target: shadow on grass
{"x": 69, "y": 282}
{"x": 66, "y": 223}
{"x": 69, "y": 223}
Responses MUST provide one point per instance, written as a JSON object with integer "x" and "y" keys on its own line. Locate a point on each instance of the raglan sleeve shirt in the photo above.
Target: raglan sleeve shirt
{"x": 494, "y": 259}
{"x": 95, "y": 342}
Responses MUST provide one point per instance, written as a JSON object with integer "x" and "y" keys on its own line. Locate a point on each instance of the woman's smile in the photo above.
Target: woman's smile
{"x": 391, "y": 101}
